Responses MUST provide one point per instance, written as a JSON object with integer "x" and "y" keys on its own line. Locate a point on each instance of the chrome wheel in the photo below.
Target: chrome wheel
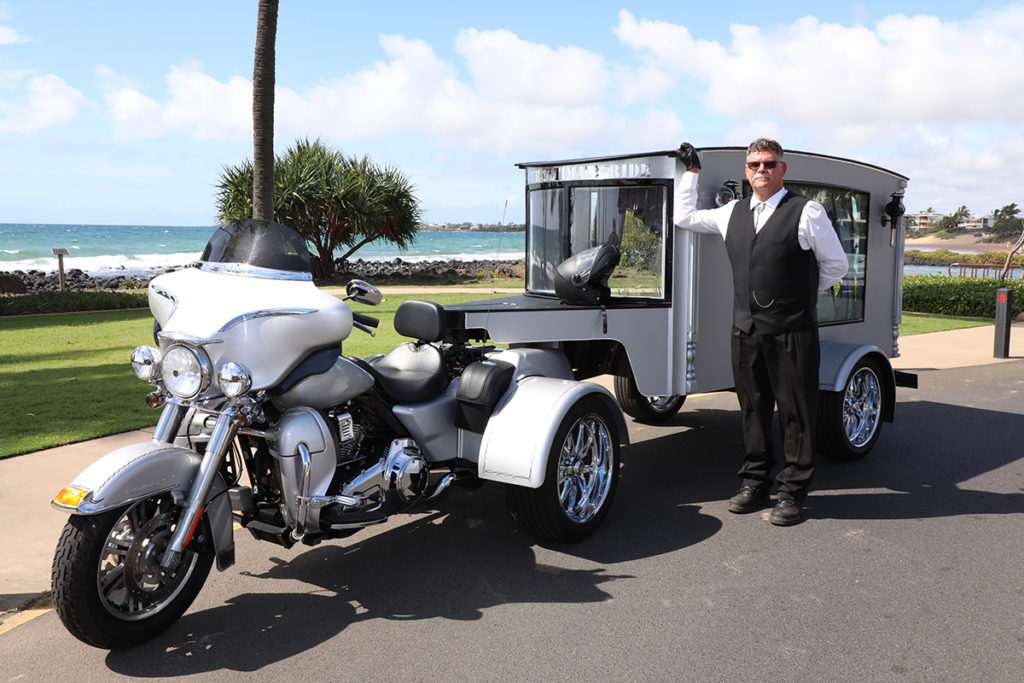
{"x": 584, "y": 468}
{"x": 862, "y": 406}
{"x": 579, "y": 478}
{"x": 663, "y": 403}
{"x": 109, "y": 588}
{"x": 649, "y": 409}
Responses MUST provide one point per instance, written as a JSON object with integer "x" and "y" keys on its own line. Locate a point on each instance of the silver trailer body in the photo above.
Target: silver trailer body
{"x": 668, "y": 319}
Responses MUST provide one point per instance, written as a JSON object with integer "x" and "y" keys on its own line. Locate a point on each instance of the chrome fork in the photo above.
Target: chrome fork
{"x": 220, "y": 440}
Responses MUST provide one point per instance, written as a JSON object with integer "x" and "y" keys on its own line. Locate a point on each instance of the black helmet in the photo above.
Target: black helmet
{"x": 582, "y": 279}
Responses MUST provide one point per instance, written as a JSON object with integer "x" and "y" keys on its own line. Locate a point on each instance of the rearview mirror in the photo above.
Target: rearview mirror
{"x": 363, "y": 293}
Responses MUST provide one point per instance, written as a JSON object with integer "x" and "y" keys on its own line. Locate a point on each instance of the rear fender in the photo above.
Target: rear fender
{"x": 838, "y": 360}
{"x": 142, "y": 470}
{"x": 518, "y": 437}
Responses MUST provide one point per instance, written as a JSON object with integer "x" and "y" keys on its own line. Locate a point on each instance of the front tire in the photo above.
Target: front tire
{"x": 109, "y": 589}
{"x": 646, "y": 409}
{"x": 851, "y": 420}
{"x": 580, "y": 479}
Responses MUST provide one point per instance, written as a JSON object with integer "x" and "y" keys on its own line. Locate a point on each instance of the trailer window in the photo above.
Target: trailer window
{"x": 544, "y": 245}
{"x": 636, "y": 215}
{"x": 848, "y": 211}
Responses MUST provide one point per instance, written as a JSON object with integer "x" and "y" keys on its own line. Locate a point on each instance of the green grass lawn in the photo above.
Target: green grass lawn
{"x": 67, "y": 378}
{"x": 922, "y": 323}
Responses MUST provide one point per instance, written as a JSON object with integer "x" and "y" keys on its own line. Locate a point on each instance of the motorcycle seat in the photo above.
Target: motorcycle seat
{"x": 413, "y": 372}
{"x": 410, "y": 373}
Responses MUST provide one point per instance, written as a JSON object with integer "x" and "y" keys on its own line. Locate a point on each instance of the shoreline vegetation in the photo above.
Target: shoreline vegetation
{"x": 923, "y": 251}
{"x": 930, "y": 250}
{"x": 394, "y": 272}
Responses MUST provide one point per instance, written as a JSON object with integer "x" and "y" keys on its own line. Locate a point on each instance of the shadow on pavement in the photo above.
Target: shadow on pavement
{"x": 467, "y": 556}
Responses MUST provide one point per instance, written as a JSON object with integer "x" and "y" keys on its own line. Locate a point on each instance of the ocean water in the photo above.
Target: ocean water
{"x": 107, "y": 250}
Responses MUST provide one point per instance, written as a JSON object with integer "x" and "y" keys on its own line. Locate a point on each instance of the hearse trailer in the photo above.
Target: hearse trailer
{"x": 662, "y": 325}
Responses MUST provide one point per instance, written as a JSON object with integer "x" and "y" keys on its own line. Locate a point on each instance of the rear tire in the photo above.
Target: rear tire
{"x": 108, "y": 587}
{"x": 646, "y": 409}
{"x": 580, "y": 478}
{"x": 850, "y": 420}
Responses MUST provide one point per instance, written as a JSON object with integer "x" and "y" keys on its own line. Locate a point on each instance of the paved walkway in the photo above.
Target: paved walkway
{"x": 31, "y": 528}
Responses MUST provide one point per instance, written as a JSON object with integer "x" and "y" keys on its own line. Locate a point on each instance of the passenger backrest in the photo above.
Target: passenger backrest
{"x": 422, "y": 320}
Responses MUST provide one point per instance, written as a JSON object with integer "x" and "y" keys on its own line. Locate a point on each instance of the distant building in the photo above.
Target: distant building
{"x": 923, "y": 220}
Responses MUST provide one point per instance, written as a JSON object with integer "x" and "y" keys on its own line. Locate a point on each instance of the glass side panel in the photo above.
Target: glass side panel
{"x": 848, "y": 211}
{"x": 544, "y": 243}
{"x": 637, "y": 216}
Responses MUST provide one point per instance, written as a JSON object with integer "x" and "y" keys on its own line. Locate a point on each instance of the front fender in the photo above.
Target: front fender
{"x": 518, "y": 437}
{"x": 143, "y": 470}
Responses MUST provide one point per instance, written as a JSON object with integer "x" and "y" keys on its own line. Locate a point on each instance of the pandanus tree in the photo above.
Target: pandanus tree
{"x": 334, "y": 201}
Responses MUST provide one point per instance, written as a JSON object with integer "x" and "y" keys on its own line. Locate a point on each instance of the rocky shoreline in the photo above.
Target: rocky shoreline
{"x": 395, "y": 271}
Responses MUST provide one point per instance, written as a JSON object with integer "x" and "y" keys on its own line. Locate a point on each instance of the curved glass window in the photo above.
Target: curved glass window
{"x": 566, "y": 220}
{"x": 848, "y": 211}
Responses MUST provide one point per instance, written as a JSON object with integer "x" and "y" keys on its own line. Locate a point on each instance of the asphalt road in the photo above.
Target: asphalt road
{"x": 908, "y": 568}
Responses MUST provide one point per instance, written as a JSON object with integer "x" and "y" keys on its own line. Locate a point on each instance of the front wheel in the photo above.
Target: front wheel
{"x": 647, "y": 409}
{"x": 109, "y": 588}
{"x": 580, "y": 478}
{"x": 850, "y": 421}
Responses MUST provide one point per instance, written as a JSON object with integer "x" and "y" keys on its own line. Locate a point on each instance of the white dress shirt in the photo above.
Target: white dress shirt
{"x": 814, "y": 232}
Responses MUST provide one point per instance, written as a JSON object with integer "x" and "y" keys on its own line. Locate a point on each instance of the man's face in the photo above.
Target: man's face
{"x": 765, "y": 181}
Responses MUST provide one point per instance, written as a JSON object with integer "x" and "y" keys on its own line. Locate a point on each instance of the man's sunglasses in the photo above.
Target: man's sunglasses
{"x": 754, "y": 165}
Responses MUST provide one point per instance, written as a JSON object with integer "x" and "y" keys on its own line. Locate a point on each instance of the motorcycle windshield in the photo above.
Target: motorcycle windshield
{"x": 258, "y": 248}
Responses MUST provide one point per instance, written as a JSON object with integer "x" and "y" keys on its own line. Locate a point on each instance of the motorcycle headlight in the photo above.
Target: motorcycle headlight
{"x": 146, "y": 363}
{"x": 234, "y": 379}
{"x": 186, "y": 371}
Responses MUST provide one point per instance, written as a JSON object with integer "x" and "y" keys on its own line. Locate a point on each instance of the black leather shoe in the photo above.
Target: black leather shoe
{"x": 787, "y": 512}
{"x": 749, "y": 499}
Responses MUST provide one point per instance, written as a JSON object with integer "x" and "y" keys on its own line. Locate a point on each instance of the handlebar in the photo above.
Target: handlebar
{"x": 363, "y": 319}
{"x": 364, "y": 323}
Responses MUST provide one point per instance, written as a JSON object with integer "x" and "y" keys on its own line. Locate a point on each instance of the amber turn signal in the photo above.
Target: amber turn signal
{"x": 70, "y": 496}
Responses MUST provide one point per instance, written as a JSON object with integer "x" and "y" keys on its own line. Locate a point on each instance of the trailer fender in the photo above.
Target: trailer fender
{"x": 517, "y": 440}
{"x": 141, "y": 470}
{"x": 838, "y": 360}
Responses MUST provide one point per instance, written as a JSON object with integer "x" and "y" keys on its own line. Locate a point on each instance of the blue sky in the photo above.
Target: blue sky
{"x": 125, "y": 112}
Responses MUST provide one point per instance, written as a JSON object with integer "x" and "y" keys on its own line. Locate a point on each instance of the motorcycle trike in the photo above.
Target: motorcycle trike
{"x": 267, "y": 424}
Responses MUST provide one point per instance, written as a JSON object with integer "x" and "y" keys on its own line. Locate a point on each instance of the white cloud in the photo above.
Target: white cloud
{"x": 199, "y": 106}
{"x": 507, "y": 68}
{"x": 47, "y": 101}
{"x": 940, "y": 101}
{"x": 520, "y": 97}
{"x": 8, "y": 35}
{"x": 905, "y": 69}
{"x": 523, "y": 97}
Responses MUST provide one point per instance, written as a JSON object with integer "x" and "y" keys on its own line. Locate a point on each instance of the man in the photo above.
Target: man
{"x": 783, "y": 250}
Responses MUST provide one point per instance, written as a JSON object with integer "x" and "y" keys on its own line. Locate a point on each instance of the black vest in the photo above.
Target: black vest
{"x": 775, "y": 282}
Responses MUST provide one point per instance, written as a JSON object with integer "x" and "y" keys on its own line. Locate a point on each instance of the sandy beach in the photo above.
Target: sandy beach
{"x": 964, "y": 244}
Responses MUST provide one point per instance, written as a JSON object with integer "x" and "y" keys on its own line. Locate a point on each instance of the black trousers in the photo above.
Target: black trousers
{"x": 777, "y": 369}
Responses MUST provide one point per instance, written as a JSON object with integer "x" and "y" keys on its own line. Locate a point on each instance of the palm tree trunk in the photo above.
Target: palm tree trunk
{"x": 263, "y": 111}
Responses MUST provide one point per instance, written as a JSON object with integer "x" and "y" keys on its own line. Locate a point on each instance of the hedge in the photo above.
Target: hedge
{"x": 962, "y": 296}
{"x": 938, "y": 295}
{"x": 71, "y": 301}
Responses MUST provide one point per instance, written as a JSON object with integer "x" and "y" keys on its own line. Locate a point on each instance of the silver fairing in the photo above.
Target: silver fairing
{"x": 267, "y": 324}
{"x": 344, "y": 381}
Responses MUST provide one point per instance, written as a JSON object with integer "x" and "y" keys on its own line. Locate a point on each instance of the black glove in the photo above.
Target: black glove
{"x": 688, "y": 155}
